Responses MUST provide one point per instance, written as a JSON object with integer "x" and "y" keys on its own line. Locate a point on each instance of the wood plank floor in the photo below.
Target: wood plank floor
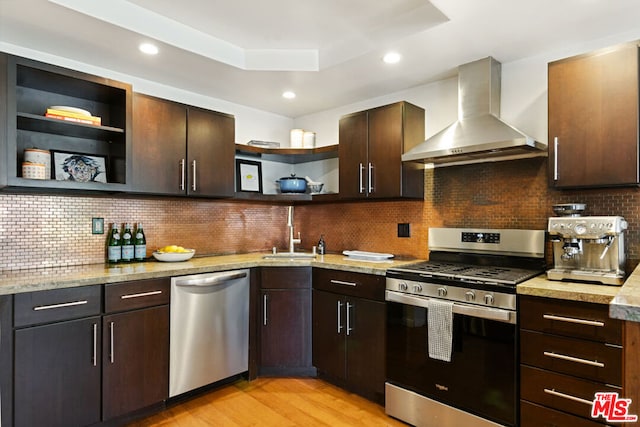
{"x": 274, "y": 402}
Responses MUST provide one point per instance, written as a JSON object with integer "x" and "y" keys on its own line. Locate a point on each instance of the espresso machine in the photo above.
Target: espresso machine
{"x": 587, "y": 248}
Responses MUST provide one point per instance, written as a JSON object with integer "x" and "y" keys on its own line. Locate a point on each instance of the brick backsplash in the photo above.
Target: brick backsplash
{"x": 51, "y": 230}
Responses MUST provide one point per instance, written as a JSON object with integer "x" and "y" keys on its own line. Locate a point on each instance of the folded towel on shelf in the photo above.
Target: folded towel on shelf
{"x": 440, "y": 329}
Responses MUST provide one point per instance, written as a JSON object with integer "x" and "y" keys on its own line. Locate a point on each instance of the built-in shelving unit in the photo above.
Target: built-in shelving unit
{"x": 31, "y": 88}
{"x": 289, "y": 156}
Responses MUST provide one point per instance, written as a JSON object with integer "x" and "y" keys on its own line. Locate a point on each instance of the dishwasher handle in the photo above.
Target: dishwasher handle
{"x": 212, "y": 280}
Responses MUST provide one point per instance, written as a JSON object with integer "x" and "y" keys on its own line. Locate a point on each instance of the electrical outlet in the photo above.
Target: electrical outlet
{"x": 404, "y": 230}
{"x": 97, "y": 225}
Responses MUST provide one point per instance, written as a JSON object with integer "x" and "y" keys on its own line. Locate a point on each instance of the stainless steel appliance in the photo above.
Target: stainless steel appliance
{"x": 476, "y": 271}
{"x": 209, "y": 332}
{"x": 589, "y": 248}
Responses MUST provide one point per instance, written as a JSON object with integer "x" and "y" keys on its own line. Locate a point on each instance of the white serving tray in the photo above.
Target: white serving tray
{"x": 367, "y": 256}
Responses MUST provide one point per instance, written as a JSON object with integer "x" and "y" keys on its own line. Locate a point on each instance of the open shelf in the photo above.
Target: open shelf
{"x": 289, "y": 155}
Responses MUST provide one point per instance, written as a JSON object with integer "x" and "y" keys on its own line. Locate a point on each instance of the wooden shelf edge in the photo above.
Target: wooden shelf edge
{"x": 289, "y": 155}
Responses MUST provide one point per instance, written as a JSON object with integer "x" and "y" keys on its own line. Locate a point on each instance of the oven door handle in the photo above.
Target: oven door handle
{"x": 497, "y": 314}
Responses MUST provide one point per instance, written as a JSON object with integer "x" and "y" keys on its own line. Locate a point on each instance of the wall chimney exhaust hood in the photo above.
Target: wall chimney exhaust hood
{"x": 478, "y": 135}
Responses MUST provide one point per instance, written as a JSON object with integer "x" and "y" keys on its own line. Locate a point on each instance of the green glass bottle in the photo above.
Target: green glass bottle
{"x": 127, "y": 243}
{"x": 114, "y": 245}
{"x": 139, "y": 244}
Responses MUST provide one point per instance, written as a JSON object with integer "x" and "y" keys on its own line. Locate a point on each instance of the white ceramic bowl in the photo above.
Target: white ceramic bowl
{"x": 174, "y": 256}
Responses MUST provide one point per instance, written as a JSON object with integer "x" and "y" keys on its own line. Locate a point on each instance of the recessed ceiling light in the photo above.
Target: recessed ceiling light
{"x": 288, "y": 94}
{"x": 148, "y": 48}
{"x": 391, "y": 58}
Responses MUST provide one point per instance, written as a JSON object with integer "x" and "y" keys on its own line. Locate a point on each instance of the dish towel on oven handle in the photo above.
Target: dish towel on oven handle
{"x": 440, "y": 329}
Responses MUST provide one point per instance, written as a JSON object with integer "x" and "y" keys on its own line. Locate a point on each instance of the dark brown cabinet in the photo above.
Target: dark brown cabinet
{"x": 182, "y": 150}
{"x": 285, "y": 321}
{"x": 349, "y": 330}
{"x": 30, "y": 88}
{"x": 75, "y": 367}
{"x": 135, "y": 346}
{"x": 593, "y": 119}
{"x": 568, "y": 352}
{"x": 370, "y": 147}
{"x": 57, "y": 364}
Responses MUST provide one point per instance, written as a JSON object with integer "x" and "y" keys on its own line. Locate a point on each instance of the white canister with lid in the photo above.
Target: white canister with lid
{"x": 296, "y": 138}
{"x": 33, "y": 170}
{"x": 41, "y": 157}
{"x": 309, "y": 140}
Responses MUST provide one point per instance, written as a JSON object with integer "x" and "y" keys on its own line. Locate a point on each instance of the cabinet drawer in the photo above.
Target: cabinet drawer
{"x": 137, "y": 294}
{"x": 562, "y": 392}
{"x": 362, "y": 285}
{"x": 570, "y": 318}
{"x": 585, "y": 359}
{"x": 285, "y": 278}
{"x": 59, "y": 304}
{"x": 532, "y": 415}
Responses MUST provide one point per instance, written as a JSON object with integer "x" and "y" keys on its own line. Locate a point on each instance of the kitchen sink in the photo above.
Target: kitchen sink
{"x": 290, "y": 255}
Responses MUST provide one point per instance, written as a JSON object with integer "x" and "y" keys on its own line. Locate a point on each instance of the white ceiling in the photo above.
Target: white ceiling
{"x": 327, "y": 51}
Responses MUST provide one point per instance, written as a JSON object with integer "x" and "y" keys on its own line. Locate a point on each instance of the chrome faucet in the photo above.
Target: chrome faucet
{"x": 292, "y": 240}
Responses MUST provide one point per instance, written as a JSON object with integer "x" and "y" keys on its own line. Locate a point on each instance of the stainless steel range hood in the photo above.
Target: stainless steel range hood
{"x": 478, "y": 135}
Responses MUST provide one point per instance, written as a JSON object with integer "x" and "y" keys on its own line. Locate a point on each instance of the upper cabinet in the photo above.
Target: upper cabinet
{"x": 593, "y": 119}
{"x": 370, "y": 146}
{"x": 83, "y": 154}
{"x": 181, "y": 150}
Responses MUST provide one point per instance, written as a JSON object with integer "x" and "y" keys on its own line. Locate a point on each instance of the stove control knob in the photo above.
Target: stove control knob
{"x": 442, "y": 292}
{"x": 403, "y": 286}
{"x": 488, "y": 299}
{"x": 417, "y": 288}
{"x": 470, "y": 296}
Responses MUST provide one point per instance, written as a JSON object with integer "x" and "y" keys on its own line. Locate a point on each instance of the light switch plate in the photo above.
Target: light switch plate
{"x": 97, "y": 225}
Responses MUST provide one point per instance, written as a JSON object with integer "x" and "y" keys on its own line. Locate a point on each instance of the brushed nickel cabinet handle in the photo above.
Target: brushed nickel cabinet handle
{"x": 370, "y": 177}
{"x": 264, "y": 309}
{"x": 340, "y": 282}
{"x": 111, "y": 349}
{"x": 573, "y": 320}
{"x": 182, "y": 174}
{"x": 62, "y": 305}
{"x": 193, "y": 183}
{"x": 140, "y": 295}
{"x": 574, "y": 359}
{"x": 349, "y": 328}
{"x": 555, "y": 158}
{"x": 361, "y": 182}
{"x": 567, "y": 396}
{"x": 95, "y": 344}
{"x": 339, "y": 319}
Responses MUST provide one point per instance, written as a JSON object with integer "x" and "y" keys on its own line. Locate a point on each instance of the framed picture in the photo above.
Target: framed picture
{"x": 248, "y": 176}
{"x": 79, "y": 167}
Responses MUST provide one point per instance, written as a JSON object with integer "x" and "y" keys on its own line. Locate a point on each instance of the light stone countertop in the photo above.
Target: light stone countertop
{"x": 626, "y": 304}
{"x": 540, "y": 286}
{"x": 19, "y": 281}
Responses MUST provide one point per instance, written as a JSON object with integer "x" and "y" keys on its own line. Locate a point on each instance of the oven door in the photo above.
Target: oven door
{"x": 480, "y": 378}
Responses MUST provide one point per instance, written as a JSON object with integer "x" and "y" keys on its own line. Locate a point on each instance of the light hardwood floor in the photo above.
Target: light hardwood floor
{"x": 274, "y": 402}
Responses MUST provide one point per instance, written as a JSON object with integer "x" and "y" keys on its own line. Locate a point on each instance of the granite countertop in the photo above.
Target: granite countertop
{"x": 624, "y": 301}
{"x": 18, "y": 281}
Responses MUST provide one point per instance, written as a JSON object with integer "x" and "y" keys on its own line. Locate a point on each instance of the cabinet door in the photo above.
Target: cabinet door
{"x": 286, "y": 322}
{"x": 135, "y": 360}
{"x": 352, "y": 155}
{"x": 329, "y": 322}
{"x": 385, "y": 150}
{"x": 159, "y": 146}
{"x": 57, "y": 374}
{"x": 593, "y": 119}
{"x": 211, "y": 153}
{"x": 365, "y": 329}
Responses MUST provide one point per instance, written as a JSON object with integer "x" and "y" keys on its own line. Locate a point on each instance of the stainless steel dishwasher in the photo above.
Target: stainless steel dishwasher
{"x": 209, "y": 332}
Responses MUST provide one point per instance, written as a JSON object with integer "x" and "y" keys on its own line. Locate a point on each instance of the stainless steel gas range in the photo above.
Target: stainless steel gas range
{"x": 452, "y": 328}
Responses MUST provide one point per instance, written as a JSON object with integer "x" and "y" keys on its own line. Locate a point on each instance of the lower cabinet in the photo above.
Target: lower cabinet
{"x": 568, "y": 352}
{"x": 349, "y": 330}
{"x": 135, "y": 346}
{"x": 75, "y": 367}
{"x": 285, "y": 321}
